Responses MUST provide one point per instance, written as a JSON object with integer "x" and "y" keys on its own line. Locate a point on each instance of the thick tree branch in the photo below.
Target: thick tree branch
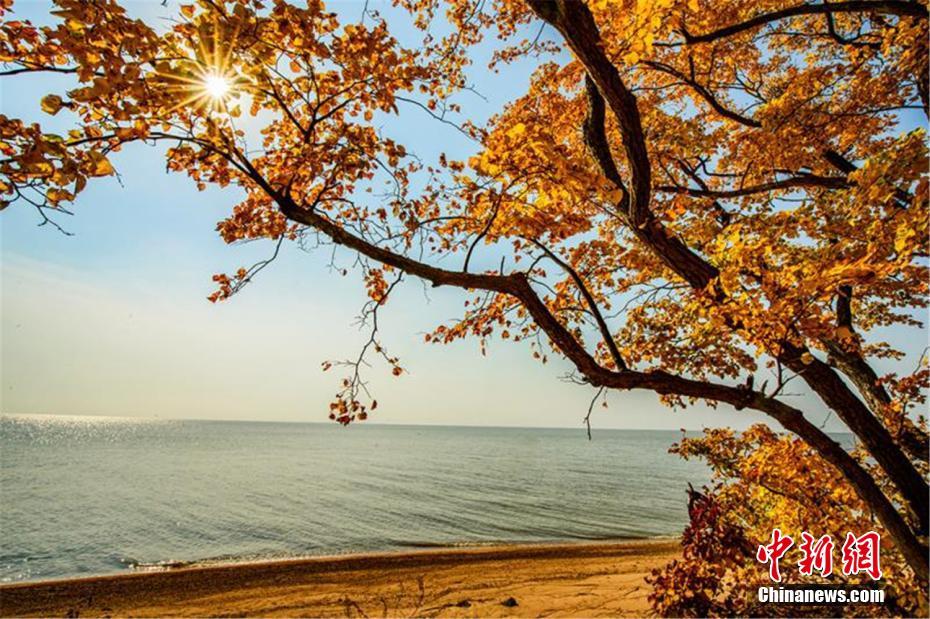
{"x": 596, "y": 139}
{"x": 788, "y": 183}
{"x": 889, "y": 7}
{"x": 852, "y": 364}
{"x": 793, "y": 420}
{"x": 575, "y": 23}
{"x": 859, "y": 419}
{"x": 856, "y": 368}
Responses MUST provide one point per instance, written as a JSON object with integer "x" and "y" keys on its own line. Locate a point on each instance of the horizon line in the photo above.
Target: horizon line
{"x": 361, "y": 423}
{"x": 328, "y": 422}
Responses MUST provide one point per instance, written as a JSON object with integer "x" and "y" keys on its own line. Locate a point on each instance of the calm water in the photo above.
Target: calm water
{"x": 82, "y": 496}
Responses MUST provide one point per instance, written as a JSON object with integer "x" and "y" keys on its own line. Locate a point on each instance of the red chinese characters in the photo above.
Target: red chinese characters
{"x": 818, "y": 555}
{"x": 860, "y": 554}
{"x": 773, "y": 552}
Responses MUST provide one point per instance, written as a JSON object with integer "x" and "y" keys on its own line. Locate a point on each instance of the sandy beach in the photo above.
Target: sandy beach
{"x": 585, "y": 579}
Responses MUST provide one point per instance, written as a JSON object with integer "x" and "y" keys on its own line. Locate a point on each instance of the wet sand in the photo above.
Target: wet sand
{"x": 584, "y": 579}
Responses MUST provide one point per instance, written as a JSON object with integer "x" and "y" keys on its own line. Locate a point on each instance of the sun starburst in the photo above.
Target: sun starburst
{"x": 217, "y": 86}
{"x": 208, "y": 79}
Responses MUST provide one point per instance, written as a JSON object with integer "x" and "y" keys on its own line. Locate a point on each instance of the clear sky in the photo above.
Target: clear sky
{"x": 114, "y": 320}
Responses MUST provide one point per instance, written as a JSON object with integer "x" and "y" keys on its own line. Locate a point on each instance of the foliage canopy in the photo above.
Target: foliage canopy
{"x": 688, "y": 195}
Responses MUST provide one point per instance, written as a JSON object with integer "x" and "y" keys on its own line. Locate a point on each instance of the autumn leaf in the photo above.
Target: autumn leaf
{"x": 100, "y": 165}
{"x": 51, "y": 104}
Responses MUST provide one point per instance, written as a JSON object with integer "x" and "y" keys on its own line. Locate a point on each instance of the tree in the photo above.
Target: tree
{"x": 689, "y": 194}
{"x": 765, "y": 481}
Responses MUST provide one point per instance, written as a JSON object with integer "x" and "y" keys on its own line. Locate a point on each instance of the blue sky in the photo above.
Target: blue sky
{"x": 114, "y": 319}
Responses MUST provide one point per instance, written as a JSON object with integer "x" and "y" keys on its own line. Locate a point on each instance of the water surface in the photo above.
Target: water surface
{"x": 82, "y": 496}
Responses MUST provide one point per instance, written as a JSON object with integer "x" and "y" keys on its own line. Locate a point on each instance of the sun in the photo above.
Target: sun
{"x": 216, "y": 86}
{"x": 207, "y": 77}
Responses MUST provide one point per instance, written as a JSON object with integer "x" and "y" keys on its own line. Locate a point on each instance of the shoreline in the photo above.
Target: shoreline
{"x": 586, "y": 578}
{"x": 411, "y": 548}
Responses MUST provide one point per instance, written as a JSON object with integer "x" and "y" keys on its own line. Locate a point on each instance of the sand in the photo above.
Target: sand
{"x": 577, "y": 580}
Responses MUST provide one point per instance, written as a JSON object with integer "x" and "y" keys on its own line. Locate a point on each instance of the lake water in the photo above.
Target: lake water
{"x": 82, "y": 496}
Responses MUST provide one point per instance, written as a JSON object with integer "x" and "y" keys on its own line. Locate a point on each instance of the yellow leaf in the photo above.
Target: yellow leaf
{"x": 102, "y": 166}
{"x": 51, "y": 104}
{"x": 187, "y": 10}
